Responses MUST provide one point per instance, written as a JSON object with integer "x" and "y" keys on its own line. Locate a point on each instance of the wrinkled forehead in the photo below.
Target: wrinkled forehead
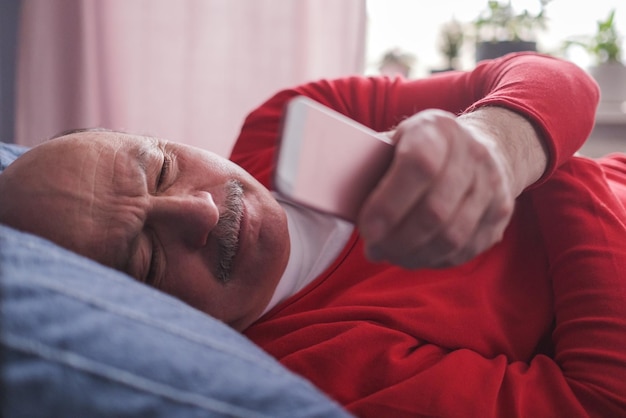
{"x": 114, "y": 180}
{"x": 81, "y": 191}
{"x": 85, "y": 151}
{"x": 105, "y": 163}
{"x": 110, "y": 149}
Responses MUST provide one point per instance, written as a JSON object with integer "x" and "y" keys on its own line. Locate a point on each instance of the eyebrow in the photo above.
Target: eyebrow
{"x": 145, "y": 151}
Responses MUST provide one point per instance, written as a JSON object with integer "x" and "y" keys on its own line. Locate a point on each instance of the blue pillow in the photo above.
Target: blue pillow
{"x": 8, "y": 153}
{"x": 80, "y": 339}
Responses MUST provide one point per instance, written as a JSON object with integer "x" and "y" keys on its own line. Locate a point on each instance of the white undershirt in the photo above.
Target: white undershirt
{"x": 316, "y": 241}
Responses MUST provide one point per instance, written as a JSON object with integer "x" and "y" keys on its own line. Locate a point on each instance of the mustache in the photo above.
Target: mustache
{"x": 227, "y": 229}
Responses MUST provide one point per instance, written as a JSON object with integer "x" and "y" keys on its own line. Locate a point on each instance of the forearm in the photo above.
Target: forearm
{"x": 522, "y": 147}
{"x": 556, "y": 96}
{"x": 583, "y": 230}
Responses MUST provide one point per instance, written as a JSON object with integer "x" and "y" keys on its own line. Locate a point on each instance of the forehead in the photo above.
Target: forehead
{"x": 118, "y": 148}
{"x": 87, "y": 149}
{"x": 108, "y": 162}
{"x": 112, "y": 185}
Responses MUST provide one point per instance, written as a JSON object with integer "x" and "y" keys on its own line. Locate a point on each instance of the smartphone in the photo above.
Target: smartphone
{"x": 327, "y": 161}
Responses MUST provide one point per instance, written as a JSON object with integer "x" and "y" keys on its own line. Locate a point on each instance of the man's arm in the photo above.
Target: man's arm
{"x": 584, "y": 231}
{"x": 449, "y": 193}
{"x": 524, "y": 152}
{"x": 450, "y": 190}
{"x": 556, "y": 96}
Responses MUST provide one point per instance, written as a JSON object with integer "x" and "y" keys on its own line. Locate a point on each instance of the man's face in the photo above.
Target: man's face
{"x": 181, "y": 219}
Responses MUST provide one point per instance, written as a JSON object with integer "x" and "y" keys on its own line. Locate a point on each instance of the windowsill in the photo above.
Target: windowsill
{"x": 611, "y": 118}
{"x": 608, "y": 135}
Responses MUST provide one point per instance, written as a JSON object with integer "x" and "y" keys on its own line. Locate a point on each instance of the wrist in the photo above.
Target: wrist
{"x": 514, "y": 137}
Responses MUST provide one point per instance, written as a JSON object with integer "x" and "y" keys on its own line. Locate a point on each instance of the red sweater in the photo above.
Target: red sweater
{"x": 536, "y": 326}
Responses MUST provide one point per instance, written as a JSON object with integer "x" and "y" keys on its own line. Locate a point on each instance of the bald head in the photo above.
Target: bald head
{"x": 38, "y": 186}
{"x": 48, "y": 191}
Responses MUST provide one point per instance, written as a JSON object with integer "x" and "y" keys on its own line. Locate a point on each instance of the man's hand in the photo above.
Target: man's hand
{"x": 450, "y": 190}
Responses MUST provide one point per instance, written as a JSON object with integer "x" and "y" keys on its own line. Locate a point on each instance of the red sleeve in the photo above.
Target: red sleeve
{"x": 556, "y": 95}
{"x": 584, "y": 231}
{"x": 614, "y": 167}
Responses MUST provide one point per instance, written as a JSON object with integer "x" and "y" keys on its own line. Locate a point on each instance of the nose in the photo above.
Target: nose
{"x": 191, "y": 217}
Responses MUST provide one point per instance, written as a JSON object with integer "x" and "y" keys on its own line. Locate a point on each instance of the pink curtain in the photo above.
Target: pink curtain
{"x": 188, "y": 70}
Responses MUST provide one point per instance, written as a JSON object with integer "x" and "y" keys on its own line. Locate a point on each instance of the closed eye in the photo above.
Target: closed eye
{"x": 165, "y": 169}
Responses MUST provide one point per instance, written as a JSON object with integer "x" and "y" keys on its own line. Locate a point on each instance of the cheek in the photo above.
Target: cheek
{"x": 277, "y": 236}
{"x": 190, "y": 281}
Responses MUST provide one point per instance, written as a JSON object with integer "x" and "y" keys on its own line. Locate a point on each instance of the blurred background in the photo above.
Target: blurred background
{"x": 415, "y": 27}
{"x": 191, "y": 70}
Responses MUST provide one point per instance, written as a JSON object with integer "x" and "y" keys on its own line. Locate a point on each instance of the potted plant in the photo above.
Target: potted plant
{"x": 451, "y": 37}
{"x": 604, "y": 47}
{"x": 500, "y": 29}
{"x": 395, "y": 62}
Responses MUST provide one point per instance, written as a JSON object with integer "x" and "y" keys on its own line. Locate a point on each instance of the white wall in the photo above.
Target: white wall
{"x": 413, "y": 26}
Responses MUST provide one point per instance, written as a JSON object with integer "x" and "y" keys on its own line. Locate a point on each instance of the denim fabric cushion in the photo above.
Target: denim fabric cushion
{"x": 82, "y": 340}
{"x": 8, "y": 153}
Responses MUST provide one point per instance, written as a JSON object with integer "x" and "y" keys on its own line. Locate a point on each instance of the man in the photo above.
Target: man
{"x": 387, "y": 335}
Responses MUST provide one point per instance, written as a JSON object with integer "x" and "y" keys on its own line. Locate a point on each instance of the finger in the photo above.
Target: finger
{"x": 458, "y": 240}
{"x": 495, "y": 213}
{"x": 489, "y": 231}
{"x": 484, "y": 239}
{"x": 409, "y": 175}
{"x": 429, "y": 216}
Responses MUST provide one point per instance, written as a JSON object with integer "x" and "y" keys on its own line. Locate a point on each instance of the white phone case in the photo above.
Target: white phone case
{"x": 328, "y": 161}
